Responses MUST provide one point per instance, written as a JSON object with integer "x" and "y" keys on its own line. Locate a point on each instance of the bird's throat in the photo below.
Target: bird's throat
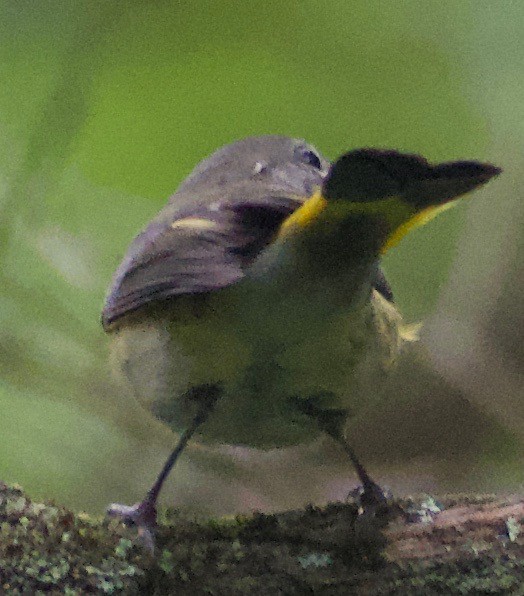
{"x": 336, "y": 244}
{"x": 330, "y": 262}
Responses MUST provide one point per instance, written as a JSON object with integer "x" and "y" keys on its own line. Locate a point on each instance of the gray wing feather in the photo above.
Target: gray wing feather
{"x": 220, "y": 240}
{"x": 197, "y": 250}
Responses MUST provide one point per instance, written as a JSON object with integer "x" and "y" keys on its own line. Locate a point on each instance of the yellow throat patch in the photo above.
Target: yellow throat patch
{"x": 400, "y": 215}
{"x": 306, "y": 214}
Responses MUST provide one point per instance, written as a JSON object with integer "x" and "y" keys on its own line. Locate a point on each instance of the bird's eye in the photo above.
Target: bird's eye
{"x": 310, "y": 157}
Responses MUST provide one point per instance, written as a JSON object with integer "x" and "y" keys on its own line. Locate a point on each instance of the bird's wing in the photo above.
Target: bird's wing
{"x": 198, "y": 249}
{"x": 201, "y": 248}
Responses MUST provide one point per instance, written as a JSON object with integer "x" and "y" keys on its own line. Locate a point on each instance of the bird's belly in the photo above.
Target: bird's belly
{"x": 263, "y": 367}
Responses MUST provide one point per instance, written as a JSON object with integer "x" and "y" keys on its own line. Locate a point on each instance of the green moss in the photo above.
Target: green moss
{"x": 488, "y": 574}
{"x": 330, "y": 550}
{"x": 47, "y": 548}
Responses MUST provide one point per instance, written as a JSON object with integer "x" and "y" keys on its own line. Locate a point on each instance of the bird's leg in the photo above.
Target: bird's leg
{"x": 331, "y": 421}
{"x": 372, "y": 496}
{"x": 143, "y": 515}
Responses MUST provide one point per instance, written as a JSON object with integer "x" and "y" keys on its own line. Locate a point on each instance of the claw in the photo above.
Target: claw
{"x": 373, "y": 497}
{"x": 370, "y": 498}
{"x": 142, "y": 516}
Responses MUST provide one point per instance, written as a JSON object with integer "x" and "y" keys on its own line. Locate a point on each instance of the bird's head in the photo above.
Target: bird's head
{"x": 403, "y": 190}
{"x": 396, "y": 191}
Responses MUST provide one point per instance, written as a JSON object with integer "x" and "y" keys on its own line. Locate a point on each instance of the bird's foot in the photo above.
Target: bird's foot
{"x": 371, "y": 499}
{"x": 141, "y": 516}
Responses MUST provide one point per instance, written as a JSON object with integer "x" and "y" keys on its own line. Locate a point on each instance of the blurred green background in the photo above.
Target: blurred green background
{"x": 106, "y": 106}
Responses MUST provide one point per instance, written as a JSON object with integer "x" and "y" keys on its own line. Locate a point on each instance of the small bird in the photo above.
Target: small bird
{"x": 253, "y": 310}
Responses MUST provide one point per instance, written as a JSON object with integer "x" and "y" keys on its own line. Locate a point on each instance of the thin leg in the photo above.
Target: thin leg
{"x": 332, "y": 422}
{"x": 143, "y": 515}
{"x": 373, "y": 496}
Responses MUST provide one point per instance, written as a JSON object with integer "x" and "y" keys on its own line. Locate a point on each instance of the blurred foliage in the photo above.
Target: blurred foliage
{"x": 105, "y": 107}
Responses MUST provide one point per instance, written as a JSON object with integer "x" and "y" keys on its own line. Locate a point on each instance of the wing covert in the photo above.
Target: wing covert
{"x": 196, "y": 250}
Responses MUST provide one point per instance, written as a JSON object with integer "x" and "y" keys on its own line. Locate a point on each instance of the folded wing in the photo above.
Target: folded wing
{"x": 198, "y": 249}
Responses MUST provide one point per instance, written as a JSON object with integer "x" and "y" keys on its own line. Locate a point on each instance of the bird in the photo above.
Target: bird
{"x": 253, "y": 310}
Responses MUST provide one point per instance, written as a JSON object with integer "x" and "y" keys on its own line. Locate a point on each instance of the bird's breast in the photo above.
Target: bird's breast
{"x": 265, "y": 352}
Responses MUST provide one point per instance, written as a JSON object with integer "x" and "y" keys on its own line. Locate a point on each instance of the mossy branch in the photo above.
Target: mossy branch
{"x": 475, "y": 546}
